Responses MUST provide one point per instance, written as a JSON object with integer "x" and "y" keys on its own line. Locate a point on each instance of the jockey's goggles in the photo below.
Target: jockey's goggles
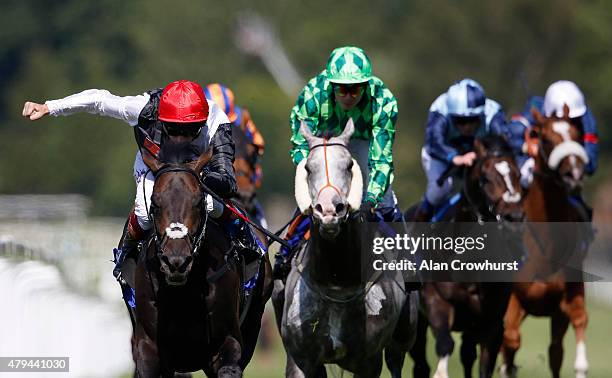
{"x": 459, "y": 120}
{"x": 183, "y": 129}
{"x": 353, "y": 90}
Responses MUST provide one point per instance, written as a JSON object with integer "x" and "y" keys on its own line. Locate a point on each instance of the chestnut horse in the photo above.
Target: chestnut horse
{"x": 491, "y": 193}
{"x": 541, "y": 287}
{"x": 188, "y": 282}
{"x": 245, "y": 168}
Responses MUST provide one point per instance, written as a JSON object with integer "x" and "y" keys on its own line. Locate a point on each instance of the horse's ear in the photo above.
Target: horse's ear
{"x": 537, "y": 116}
{"x": 307, "y": 134}
{"x": 480, "y": 149}
{"x": 566, "y": 112}
{"x": 204, "y": 158}
{"x": 151, "y": 161}
{"x": 349, "y": 129}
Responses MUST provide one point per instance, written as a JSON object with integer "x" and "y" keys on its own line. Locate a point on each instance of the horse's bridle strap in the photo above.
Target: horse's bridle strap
{"x": 328, "y": 183}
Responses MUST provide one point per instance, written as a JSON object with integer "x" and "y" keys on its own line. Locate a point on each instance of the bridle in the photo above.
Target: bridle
{"x": 193, "y": 241}
{"x": 547, "y": 171}
{"x": 490, "y": 205}
{"x": 328, "y": 183}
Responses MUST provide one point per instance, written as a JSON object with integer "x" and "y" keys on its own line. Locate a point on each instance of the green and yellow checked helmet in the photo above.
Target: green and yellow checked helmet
{"x": 349, "y": 65}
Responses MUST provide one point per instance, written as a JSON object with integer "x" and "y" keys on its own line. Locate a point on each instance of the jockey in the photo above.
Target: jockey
{"x": 178, "y": 113}
{"x": 455, "y": 119}
{"x": 240, "y": 117}
{"x": 347, "y": 89}
{"x": 558, "y": 94}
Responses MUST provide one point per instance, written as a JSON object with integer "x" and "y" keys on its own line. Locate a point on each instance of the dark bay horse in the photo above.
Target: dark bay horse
{"x": 188, "y": 284}
{"x": 543, "y": 286}
{"x": 328, "y": 313}
{"x": 491, "y": 193}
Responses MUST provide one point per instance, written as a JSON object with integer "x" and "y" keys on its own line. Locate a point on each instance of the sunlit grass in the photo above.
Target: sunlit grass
{"x": 532, "y": 358}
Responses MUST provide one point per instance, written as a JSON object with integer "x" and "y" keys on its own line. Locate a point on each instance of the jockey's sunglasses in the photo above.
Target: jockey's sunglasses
{"x": 183, "y": 129}
{"x": 353, "y": 90}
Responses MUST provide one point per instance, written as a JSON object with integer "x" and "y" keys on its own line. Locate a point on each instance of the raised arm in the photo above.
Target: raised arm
{"x": 93, "y": 101}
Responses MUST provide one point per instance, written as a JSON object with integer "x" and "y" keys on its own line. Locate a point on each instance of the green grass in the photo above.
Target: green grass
{"x": 532, "y": 358}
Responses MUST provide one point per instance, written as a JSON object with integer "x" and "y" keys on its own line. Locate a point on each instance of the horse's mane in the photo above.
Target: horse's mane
{"x": 496, "y": 145}
{"x": 177, "y": 153}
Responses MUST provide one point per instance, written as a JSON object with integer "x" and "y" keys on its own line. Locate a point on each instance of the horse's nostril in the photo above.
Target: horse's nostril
{"x": 319, "y": 208}
{"x": 168, "y": 264}
{"x": 339, "y": 208}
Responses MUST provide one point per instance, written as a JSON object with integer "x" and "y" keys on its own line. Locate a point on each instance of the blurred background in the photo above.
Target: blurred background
{"x": 66, "y": 183}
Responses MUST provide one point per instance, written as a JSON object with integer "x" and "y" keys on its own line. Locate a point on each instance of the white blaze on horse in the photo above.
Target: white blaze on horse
{"x": 545, "y": 286}
{"x": 330, "y": 314}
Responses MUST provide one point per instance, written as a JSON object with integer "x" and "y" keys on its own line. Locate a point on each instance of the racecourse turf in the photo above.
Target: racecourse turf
{"x": 532, "y": 358}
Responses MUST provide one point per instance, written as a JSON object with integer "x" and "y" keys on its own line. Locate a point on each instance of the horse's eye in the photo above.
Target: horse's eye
{"x": 350, "y": 165}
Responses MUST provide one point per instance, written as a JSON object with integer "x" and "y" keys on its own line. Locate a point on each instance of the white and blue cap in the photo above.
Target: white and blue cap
{"x": 465, "y": 98}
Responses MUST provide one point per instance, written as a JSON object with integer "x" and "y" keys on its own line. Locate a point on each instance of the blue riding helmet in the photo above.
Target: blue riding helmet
{"x": 466, "y": 98}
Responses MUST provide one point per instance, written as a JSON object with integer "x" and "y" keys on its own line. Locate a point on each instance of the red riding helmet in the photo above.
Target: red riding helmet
{"x": 183, "y": 102}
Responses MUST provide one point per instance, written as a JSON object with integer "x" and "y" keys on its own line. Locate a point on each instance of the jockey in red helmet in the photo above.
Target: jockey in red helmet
{"x": 178, "y": 113}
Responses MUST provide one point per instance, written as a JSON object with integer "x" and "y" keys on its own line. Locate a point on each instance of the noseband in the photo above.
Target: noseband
{"x": 547, "y": 171}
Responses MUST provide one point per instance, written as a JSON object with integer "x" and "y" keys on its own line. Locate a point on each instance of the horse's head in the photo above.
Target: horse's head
{"x": 497, "y": 175}
{"x": 560, "y": 150}
{"x": 178, "y": 210}
{"x": 328, "y": 184}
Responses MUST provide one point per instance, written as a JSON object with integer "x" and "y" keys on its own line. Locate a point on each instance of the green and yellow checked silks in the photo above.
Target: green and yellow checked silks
{"x": 374, "y": 117}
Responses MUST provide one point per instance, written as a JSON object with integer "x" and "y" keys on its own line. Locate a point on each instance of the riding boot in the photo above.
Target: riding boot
{"x": 132, "y": 235}
{"x": 241, "y": 234}
{"x": 297, "y": 234}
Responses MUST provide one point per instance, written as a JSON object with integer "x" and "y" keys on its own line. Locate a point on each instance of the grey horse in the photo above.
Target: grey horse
{"x": 327, "y": 312}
